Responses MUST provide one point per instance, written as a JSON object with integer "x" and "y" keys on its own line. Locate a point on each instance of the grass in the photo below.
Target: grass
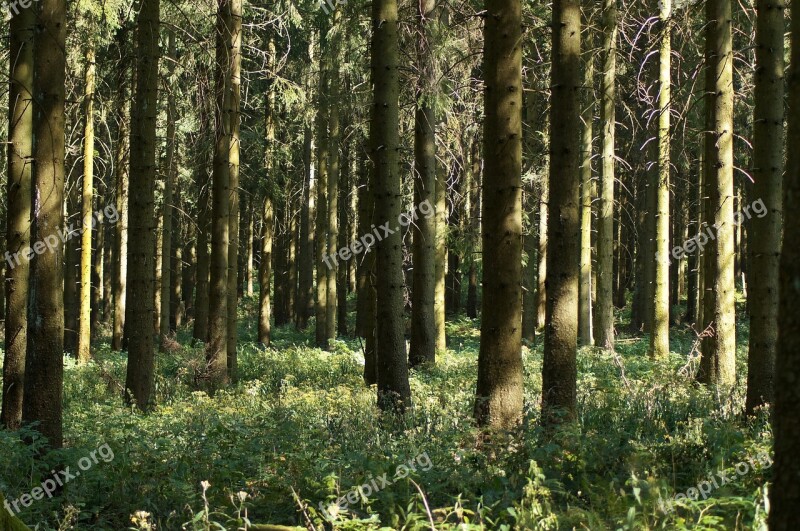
{"x": 300, "y": 429}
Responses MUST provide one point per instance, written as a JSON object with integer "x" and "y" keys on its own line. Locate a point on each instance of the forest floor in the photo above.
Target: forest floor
{"x": 300, "y": 431}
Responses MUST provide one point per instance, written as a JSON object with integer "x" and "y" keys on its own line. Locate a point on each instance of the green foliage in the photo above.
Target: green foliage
{"x": 300, "y": 430}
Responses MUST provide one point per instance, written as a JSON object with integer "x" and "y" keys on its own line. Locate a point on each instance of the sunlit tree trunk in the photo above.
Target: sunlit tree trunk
{"x": 659, "y": 335}
{"x": 717, "y": 365}
{"x": 585, "y": 335}
{"x": 234, "y": 38}
{"x": 170, "y": 174}
{"x": 87, "y": 196}
{"x": 321, "y": 224}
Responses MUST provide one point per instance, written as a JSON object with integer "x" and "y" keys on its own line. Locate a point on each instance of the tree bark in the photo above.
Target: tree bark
{"x": 604, "y": 310}
{"x": 764, "y": 233}
{"x": 44, "y": 363}
{"x": 423, "y": 323}
{"x": 559, "y": 371}
{"x": 18, "y": 222}
{"x": 718, "y": 364}
{"x": 87, "y": 196}
{"x": 499, "y": 395}
{"x": 394, "y": 392}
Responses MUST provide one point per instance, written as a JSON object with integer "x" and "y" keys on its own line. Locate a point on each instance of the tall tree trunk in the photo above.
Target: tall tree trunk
{"x": 343, "y": 241}
{"x": 785, "y": 491}
{"x": 321, "y": 224}
{"x": 659, "y": 335}
{"x": 718, "y": 363}
{"x": 176, "y": 259}
{"x": 234, "y": 44}
{"x": 87, "y": 196}
{"x": 499, "y": 395}
{"x": 170, "y": 174}
{"x": 332, "y": 231}
{"x": 604, "y": 314}
{"x": 217, "y": 348}
{"x": 394, "y": 392}
{"x": 693, "y": 261}
{"x": 764, "y": 233}
{"x": 559, "y": 371}
{"x": 265, "y": 271}
{"x": 44, "y": 364}
{"x": 18, "y": 227}
{"x": 248, "y": 248}
{"x": 201, "y": 304}
{"x": 475, "y": 230}
{"x": 122, "y": 160}
{"x": 585, "y": 336}
{"x": 305, "y": 252}
{"x": 440, "y": 266}
{"x": 423, "y": 323}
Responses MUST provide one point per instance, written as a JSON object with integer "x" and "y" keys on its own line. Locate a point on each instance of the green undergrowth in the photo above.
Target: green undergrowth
{"x": 300, "y": 430}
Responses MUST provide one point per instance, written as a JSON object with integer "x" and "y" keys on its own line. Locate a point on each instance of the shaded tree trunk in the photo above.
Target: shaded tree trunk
{"x": 18, "y": 221}
{"x": 499, "y": 394}
{"x": 765, "y": 232}
{"x": 559, "y": 371}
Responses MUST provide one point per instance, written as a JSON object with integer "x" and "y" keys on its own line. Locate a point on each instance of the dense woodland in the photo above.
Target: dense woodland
{"x": 400, "y": 265}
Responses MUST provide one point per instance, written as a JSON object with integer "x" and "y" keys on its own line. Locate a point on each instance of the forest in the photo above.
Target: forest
{"x": 400, "y": 265}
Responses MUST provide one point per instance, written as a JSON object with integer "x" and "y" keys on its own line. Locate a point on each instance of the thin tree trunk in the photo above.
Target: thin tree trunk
{"x": 475, "y": 230}
{"x": 234, "y": 44}
{"x": 321, "y": 224}
{"x": 87, "y": 196}
{"x": 332, "y": 229}
{"x": 604, "y": 314}
{"x": 264, "y": 273}
{"x": 305, "y": 254}
{"x": 423, "y": 323}
{"x": 585, "y": 336}
{"x": 659, "y": 334}
{"x": 122, "y": 159}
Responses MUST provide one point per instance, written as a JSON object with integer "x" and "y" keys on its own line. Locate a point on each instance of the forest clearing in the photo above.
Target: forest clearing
{"x": 312, "y": 265}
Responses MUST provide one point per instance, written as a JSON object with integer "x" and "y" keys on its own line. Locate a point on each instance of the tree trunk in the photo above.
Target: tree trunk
{"x": 332, "y": 229}
{"x": 321, "y": 224}
{"x": 18, "y": 227}
{"x": 44, "y": 364}
{"x": 764, "y": 232}
{"x": 475, "y": 230}
{"x": 394, "y": 392}
{"x": 264, "y": 272}
{"x": 305, "y": 253}
{"x": 87, "y": 196}
{"x": 234, "y": 44}
{"x": 604, "y": 314}
{"x": 785, "y": 491}
{"x": 585, "y": 336}
{"x": 659, "y": 335}
{"x": 170, "y": 174}
{"x": 423, "y": 323}
{"x": 217, "y": 348}
{"x": 559, "y": 371}
{"x": 499, "y": 395}
{"x": 718, "y": 364}
{"x": 122, "y": 159}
